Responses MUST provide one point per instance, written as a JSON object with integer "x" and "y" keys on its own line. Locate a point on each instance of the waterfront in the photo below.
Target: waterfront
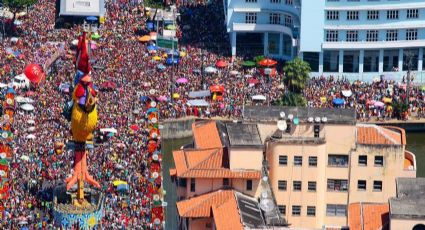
{"x": 416, "y": 144}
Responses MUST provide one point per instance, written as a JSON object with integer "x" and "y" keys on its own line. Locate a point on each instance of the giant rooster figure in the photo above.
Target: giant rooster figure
{"x": 83, "y": 121}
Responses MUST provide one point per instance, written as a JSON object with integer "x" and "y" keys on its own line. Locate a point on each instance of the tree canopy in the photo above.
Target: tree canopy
{"x": 18, "y": 5}
{"x": 291, "y": 99}
{"x": 296, "y": 75}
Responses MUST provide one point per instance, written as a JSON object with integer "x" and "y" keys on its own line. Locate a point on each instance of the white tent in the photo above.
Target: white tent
{"x": 259, "y": 97}
{"x": 30, "y": 136}
{"x": 199, "y": 102}
{"x": 28, "y": 100}
{"x": 210, "y": 69}
{"x": 27, "y": 107}
{"x": 20, "y": 99}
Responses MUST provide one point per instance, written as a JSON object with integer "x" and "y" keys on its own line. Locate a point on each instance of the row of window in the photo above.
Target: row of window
{"x": 296, "y": 185}
{"x": 331, "y": 210}
{"x": 333, "y": 185}
{"x": 371, "y": 14}
{"x": 287, "y": 2}
{"x": 333, "y": 160}
{"x": 274, "y": 18}
{"x": 371, "y": 35}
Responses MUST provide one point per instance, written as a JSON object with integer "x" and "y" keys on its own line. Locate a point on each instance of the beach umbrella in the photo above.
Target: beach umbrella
{"x": 267, "y": 62}
{"x": 152, "y": 47}
{"x": 221, "y": 64}
{"x": 182, "y": 80}
{"x": 162, "y": 98}
{"x": 248, "y": 64}
{"x": 156, "y": 58}
{"x": 91, "y": 18}
{"x": 134, "y": 127}
{"x": 379, "y": 104}
{"x": 14, "y": 39}
{"x": 253, "y": 81}
{"x": 145, "y": 38}
{"x": 27, "y": 107}
{"x": 74, "y": 42}
{"x": 338, "y": 101}
{"x": 234, "y": 72}
{"x": 95, "y": 36}
{"x": 210, "y": 69}
{"x": 30, "y": 136}
{"x": 119, "y": 182}
{"x": 176, "y": 95}
{"x": 347, "y": 93}
{"x": 259, "y": 97}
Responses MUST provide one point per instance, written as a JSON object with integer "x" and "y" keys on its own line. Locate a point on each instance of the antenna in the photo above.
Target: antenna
{"x": 324, "y": 119}
{"x": 310, "y": 119}
{"x": 317, "y": 119}
{"x": 282, "y": 114}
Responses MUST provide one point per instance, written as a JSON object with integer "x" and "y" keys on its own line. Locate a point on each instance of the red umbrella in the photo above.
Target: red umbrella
{"x": 253, "y": 81}
{"x": 34, "y": 73}
{"x": 108, "y": 85}
{"x": 221, "y": 64}
{"x": 134, "y": 127}
{"x": 267, "y": 62}
{"x": 30, "y": 93}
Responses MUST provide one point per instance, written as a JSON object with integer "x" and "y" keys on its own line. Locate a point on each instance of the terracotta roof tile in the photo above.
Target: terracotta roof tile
{"x": 376, "y": 135}
{"x": 207, "y": 163}
{"x": 368, "y": 216}
{"x": 201, "y": 206}
{"x": 226, "y": 216}
{"x": 206, "y": 135}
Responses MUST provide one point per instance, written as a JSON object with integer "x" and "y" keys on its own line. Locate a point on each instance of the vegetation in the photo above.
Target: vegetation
{"x": 291, "y": 99}
{"x": 399, "y": 109}
{"x": 16, "y": 6}
{"x": 296, "y": 75}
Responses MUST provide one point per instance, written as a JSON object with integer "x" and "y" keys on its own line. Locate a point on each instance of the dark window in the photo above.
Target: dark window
{"x": 311, "y": 210}
{"x": 281, "y": 185}
{"x": 192, "y": 184}
{"x": 338, "y": 160}
{"x": 298, "y": 160}
{"x": 297, "y": 185}
{"x": 296, "y": 210}
{"x": 337, "y": 185}
{"x": 282, "y": 209}
{"x": 377, "y": 185}
{"x": 249, "y": 185}
{"x": 379, "y": 161}
{"x": 226, "y": 182}
{"x": 312, "y": 186}
{"x": 363, "y": 160}
{"x": 312, "y": 161}
{"x": 361, "y": 185}
{"x": 336, "y": 210}
{"x": 283, "y": 160}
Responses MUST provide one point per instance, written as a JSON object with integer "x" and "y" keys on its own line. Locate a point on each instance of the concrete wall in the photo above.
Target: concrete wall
{"x": 404, "y": 224}
{"x": 246, "y": 159}
{"x": 175, "y": 129}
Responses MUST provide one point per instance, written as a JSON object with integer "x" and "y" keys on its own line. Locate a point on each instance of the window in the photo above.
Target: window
{"x": 192, "y": 184}
{"x": 298, "y": 160}
{"x": 288, "y": 21}
{"x": 312, "y": 161}
{"x": 289, "y": 2}
{"x": 362, "y": 160}
{"x": 379, "y": 161}
{"x": 332, "y": 15}
{"x": 372, "y": 14}
{"x": 335, "y": 185}
{"x": 251, "y": 18}
{"x": 411, "y": 34}
{"x": 226, "y": 182}
{"x": 412, "y": 13}
{"x": 377, "y": 185}
{"x": 297, "y": 185}
{"x": 281, "y": 185}
{"x": 352, "y": 15}
{"x": 296, "y": 210}
{"x": 332, "y": 35}
{"x": 392, "y": 14}
{"x": 337, "y": 160}
{"x": 372, "y": 36}
{"x": 250, "y": 1}
{"x": 392, "y": 35}
{"x": 361, "y": 185}
{"x": 352, "y": 36}
{"x": 311, "y": 210}
{"x": 283, "y": 160}
{"x": 249, "y": 185}
{"x": 274, "y": 18}
{"x": 312, "y": 186}
{"x": 336, "y": 210}
{"x": 282, "y": 209}
{"x": 275, "y": 1}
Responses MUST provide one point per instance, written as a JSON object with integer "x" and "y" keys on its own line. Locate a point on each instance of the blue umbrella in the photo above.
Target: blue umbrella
{"x": 91, "y": 18}
{"x": 150, "y": 25}
{"x": 11, "y": 90}
{"x": 152, "y": 47}
{"x": 171, "y": 60}
{"x": 122, "y": 187}
{"x": 161, "y": 67}
{"x": 338, "y": 101}
{"x": 175, "y": 53}
{"x": 151, "y": 110}
{"x": 144, "y": 98}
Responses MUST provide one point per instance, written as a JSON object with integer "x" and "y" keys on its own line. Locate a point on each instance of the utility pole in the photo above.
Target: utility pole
{"x": 409, "y": 56}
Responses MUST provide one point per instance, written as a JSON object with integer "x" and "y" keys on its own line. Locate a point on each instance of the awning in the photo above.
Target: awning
{"x": 198, "y": 102}
{"x": 198, "y": 94}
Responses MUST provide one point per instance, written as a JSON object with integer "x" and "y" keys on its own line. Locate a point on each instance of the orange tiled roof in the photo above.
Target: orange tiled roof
{"x": 207, "y": 163}
{"x": 226, "y": 216}
{"x": 200, "y": 206}
{"x": 206, "y": 135}
{"x": 375, "y": 216}
{"x": 376, "y": 135}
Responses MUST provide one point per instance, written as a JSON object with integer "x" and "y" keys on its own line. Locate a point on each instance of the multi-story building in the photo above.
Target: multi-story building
{"x": 354, "y": 38}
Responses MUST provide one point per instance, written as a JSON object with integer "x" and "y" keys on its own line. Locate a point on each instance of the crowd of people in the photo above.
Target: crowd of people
{"x": 122, "y": 59}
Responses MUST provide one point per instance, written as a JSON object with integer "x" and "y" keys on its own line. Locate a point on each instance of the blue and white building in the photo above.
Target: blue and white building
{"x": 340, "y": 37}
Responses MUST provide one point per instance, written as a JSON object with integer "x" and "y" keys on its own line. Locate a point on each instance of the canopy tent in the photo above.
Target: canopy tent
{"x": 109, "y": 130}
{"x": 210, "y": 69}
{"x": 259, "y": 97}
{"x": 267, "y": 62}
{"x": 217, "y": 88}
{"x": 221, "y": 64}
{"x": 199, "y": 94}
{"x": 198, "y": 102}
{"x": 27, "y": 107}
{"x": 248, "y": 64}
{"x": 338, "y": 101}
{"x": 347, "y": 93}
{"x": 182, "y": 80}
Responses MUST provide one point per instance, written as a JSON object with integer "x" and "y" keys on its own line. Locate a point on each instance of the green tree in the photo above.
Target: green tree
{"x": 16, "y": 6}
{"x": 291, "y": 99}
{"x": 296, "y": 75}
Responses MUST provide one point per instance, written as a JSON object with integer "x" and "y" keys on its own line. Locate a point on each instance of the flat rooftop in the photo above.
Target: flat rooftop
{"x": 82, "y": 8}
{"x": 243, "y": 135}
{"x": 272, "y": 113}
{"x": 249, "y": 211}
{"x": 410, "y": 202}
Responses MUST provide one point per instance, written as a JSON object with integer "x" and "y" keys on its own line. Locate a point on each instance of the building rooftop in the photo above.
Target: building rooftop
{"x": 205, "y": 134}
{"x": 368, "y": 216}
{"x": 272, "y": 113}
{"x": 410, "y": 202}
{"x": 241, "y": 135}
{"x": 207, "y": 163}
{"x": 368, "y": 134}
{"x": 249, "y": 211}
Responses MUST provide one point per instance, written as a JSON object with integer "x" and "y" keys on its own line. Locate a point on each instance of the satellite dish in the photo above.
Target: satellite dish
{"x": 317, "y": 119}
{"x": 290, "y": 116}
{"x": 281, "y": 125}
{"x": 296, "y": 121}
{"x": 310, "y": 119}
{"x": 265, "y": 178}
{"x": 267, "y": 205}
{"x": 324, "y": 119}
{"x": 282, "y": 114}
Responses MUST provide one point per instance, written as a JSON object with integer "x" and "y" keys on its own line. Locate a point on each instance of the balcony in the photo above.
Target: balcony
{"x": 373, "y": 45}
{"x": 409, "y": 164}
{"x": 248, "y": 27}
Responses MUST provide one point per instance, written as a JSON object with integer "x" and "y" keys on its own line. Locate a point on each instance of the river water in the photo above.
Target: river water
{"x": 415, "y": 144}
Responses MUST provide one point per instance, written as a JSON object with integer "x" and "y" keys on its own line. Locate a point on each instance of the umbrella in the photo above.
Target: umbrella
{"x": 234, "y": 72}
{"x": 387, "y": 100}
{"x": 31, "y": 129}
{"x": 17, "y": 23}
{"x": 95, "y": 36}
{"x": 162, "y": 98}
{"x": 221, "y": 64}
{"x": 176, "y": 96}
{"x": 170, "y": 27}
{"x": 25, "y": 158}
{"x": 30, "y": 122}
{"x": 122, "y": 187}
{"x": 379, "y": 104}
{"x": 253, "y": 81}
{"x": 248, "y": 63}
{"x": 119, "y": 182}
{"x": 28, "y": 100}
{"x": 30, "y": 136}
{"x": 152, "y": 47}
{"x": 2, "y": 85}
{"x": 338, "y": 101}
{"x": 210, "y": 69}
{"x": 134, "y": 127}
{"x": 108, "y": 85}
{"x": 14, "y": 39}
{"x": 145, "y": 38}
{"x": 19, "y": 99}
{"x": 74, "y": 42}
{"x": 259, "y": 97}
{"x": 161, "y": 67}
{"x": 156, "y": 58}
{"x": 182, "y": 80}
{"x": 267, "y": 62}
{"x": 93, "y": 46}
{"x": 27, "y": 107}
{"x": 91, "y": 18}
{"x": 347, "y": 93}
{"x": 108, "y": 130}
{"x": 29, "y": 93}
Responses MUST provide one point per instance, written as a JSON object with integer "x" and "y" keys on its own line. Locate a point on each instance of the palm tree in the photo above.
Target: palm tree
{"x": 296, "y": 75}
